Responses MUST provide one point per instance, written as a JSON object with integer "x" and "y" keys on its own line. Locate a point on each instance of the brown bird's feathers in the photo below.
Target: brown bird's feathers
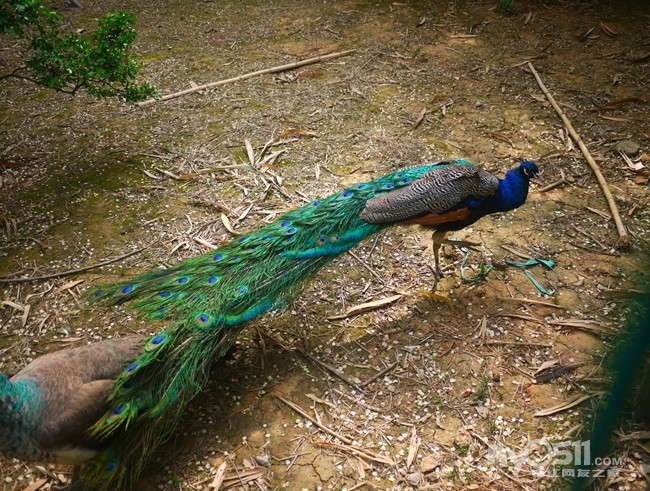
{"x": 433, "y": 220}
{"x": 62, "y": 395}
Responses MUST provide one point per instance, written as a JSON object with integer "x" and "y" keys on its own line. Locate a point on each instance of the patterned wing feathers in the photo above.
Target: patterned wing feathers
{"x": 438, "y": 191}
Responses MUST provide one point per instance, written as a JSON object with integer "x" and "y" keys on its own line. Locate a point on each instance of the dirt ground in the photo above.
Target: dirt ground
{"x": 421, "y": 391}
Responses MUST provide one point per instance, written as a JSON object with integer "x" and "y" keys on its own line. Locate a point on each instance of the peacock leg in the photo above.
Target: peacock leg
{"x": 438, "y": 238}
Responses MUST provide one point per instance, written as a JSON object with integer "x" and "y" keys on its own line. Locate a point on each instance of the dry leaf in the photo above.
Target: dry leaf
{"x": 205, "y": 243}
{"x": 218, "y": 478}
{"x": 36, "y": 485}
{"x": 420, "y": 118}
{"x": 67, "y": 286}
{"x": 563, "y": 406}
{"x": 250, "y": 152}
{"x": 619, "y": 102}
{"x": 414, "y": 446}
{"x": 299, "y": 132}
{"x": 151, "y": 175}
{"x": 23, "y": 308}
{"x": 600, "y": 213}
{"x": 635, "y": 435}
{"x": 608, "y": 31}
{"x": 547, "y": 364}
{"x": 366, "y": 307}
{"x": 613, "y": 118}
{"x": 359, "y": 452}
{"x": 226, "y": 223}
{"x": 500, "y": 136}
{"x": 239, "y": 478}
{"x": 585, "y": 325}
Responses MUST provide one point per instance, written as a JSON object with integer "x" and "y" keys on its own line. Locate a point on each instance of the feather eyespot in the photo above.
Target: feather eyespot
{"x": 389, "y": 186}
{"x": 291, "y": 231}
{"x": 334, "y": 238}
{"x": 242, "y": 290}
{"x": 285, "y": 223}
{"x": 406, "y": 180}
{"x": 158, "y": 339}
{"x": 362, "y": 185}
{"x": 132, "y": 367}
{"x": 213, "y": 279}
{"x": 321, "y": 240}
{"x": 182, "y": 280}
{"x": 118, "y": 410}
{"x": 127, "y": 289}
{"x": 111, "y": 466}
{"x": 317, "y": 203}
{"x": 155, "y": 342}
{"x": 203, "y": 320}
{"x": 164, "y": 294}
{"x": 347, "y": 194}
{"x": 290, "y": 239}
{"x": 218, "y": 257}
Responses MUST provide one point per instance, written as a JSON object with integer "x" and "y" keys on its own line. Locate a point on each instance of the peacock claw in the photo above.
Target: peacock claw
{"x": 439, "y": 240}
{"x": 437, "y": 297}
{"x": 461, "y": 243}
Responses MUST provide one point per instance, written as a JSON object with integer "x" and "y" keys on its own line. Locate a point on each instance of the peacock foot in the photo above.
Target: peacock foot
{"x": 460, "y": 243}
{"x": 431, "y": 295}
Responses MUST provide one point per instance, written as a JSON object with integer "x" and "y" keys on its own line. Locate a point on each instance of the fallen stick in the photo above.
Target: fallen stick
{"x": 624, "y": 238}
{"x": 535, "y": 302}
{"x": 326, "y": 429}
{"x": 71, "y": 271}
{"x": 281, "y": 68}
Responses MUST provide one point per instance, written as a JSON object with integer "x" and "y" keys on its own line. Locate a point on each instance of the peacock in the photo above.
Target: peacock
{"x": 208, "y": 299}
{"x": 48, "y": 407}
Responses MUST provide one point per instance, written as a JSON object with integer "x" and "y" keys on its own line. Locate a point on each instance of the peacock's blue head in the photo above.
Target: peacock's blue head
{"x": 528, "y": 169}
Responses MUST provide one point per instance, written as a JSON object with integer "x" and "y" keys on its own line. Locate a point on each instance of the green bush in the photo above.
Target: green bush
{"x": 100, "y": 62}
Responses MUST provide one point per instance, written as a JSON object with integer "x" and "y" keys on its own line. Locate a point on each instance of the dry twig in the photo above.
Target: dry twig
{"x": 327, "y": 430}
{"x": 624, "y": 238}
{"x": 71, "y": 271}
{"x": 277, "y": 69}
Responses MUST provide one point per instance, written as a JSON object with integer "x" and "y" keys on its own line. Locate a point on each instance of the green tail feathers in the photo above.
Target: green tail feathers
{"x": 207, "y": 299}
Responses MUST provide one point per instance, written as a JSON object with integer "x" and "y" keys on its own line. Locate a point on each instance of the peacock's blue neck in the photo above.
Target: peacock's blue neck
{"x": 20, "y": 408}
{"x": 512, "y": 193}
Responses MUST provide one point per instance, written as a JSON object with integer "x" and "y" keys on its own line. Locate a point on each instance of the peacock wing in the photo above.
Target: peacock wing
{"x": 438, "y": 191}
{"x": 68, "y": 426}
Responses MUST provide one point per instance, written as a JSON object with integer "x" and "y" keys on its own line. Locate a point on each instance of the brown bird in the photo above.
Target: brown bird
{"x": 47, "y": 407}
